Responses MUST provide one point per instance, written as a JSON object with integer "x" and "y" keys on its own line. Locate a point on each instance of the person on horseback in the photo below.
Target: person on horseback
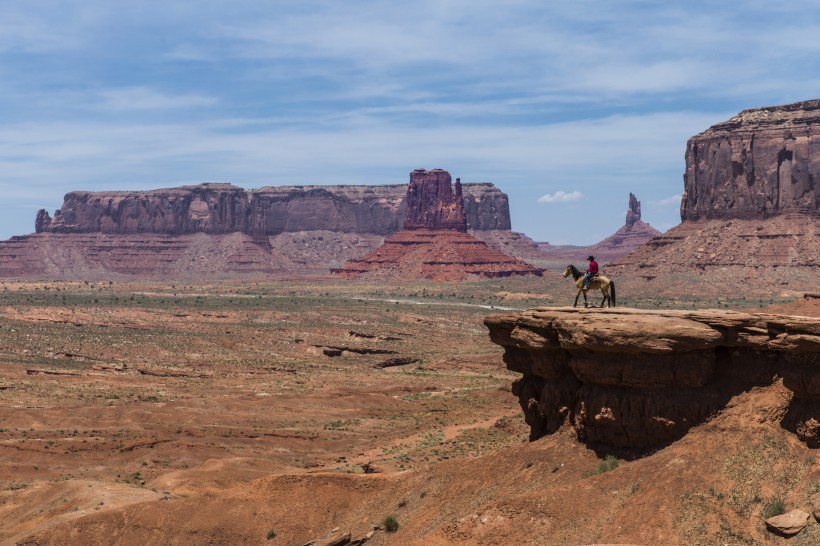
{"x": 592, "y": 271}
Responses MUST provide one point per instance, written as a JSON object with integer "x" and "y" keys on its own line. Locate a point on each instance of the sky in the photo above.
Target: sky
{"x": 565, "y": 106}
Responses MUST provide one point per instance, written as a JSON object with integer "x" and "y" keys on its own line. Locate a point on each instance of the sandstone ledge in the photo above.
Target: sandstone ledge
{"x": 640, "y": 379}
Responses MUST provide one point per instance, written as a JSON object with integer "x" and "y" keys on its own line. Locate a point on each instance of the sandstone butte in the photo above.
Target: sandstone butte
{"x": 639, "y": 380}
{"x": 434, "y": 243}
{"x": 634, "y": 233}
{"x": 222, "y": 230}
{"x": 750, "y": 209}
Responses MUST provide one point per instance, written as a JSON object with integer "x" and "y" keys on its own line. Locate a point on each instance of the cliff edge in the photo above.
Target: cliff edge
{"x": 640, "y": 380}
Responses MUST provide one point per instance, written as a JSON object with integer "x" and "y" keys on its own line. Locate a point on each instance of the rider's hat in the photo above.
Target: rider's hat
{"x": 591, "y": 258}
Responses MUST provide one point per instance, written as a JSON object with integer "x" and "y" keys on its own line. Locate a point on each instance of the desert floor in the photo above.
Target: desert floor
{"x": 118, "y": 393}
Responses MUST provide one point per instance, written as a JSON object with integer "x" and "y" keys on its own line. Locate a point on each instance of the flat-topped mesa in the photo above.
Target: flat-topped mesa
{"x": 638, "y": 379}
{"x": 224, "y": 208}
{"x": 431, "y": 202}
{"x": 761, "y": 163}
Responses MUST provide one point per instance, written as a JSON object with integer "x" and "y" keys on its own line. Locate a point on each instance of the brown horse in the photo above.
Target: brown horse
{"x": 606, "y": 286}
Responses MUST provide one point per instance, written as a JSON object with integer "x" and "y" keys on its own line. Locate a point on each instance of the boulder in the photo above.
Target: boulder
{"x": 789, "y": 523}
{"x": 815, "y": 505}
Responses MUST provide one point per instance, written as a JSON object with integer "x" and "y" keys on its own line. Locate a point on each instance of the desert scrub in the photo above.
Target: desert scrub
{"x": 609, "y": 463}
{"x": 774, "y": 507}
{"x": 271, "y": 534}
{"x": 391, "y": 524}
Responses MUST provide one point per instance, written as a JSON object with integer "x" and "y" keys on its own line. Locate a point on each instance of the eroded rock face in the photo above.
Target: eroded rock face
{"x": 761, "y": 163}
{"x": 640, "y": 379}
{"x": 434, "y": 243}
{"x": 223, "y": 208}
{"x": 432, "y": 203}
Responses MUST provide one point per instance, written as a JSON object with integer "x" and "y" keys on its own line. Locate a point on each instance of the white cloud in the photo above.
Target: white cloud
{"x": 561, "y": 197}
{"x": 145, "y": 98}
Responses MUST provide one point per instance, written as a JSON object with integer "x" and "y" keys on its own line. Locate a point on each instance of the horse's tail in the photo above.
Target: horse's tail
{"x": 612, "y": 290}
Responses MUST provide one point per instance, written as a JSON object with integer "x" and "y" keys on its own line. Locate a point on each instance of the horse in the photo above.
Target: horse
{"x": 607, "y": 286}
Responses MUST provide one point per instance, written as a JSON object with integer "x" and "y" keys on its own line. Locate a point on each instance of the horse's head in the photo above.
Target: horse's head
{"x": 568, "y": 271}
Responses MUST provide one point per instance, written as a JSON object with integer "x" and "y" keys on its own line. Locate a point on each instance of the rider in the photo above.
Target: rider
{"x": 592, "y": 270}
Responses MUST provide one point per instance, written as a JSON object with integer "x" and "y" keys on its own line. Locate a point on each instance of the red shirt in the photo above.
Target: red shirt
{"x": 593, "y": 267}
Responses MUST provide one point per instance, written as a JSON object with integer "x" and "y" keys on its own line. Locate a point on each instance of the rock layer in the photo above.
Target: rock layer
{"x": 223, "y": 208}
{"x": 640, "y": 379}
{"x": 91, "y": 256}
{"x": 441, "y": 255}
{"x": 761, "y": 163}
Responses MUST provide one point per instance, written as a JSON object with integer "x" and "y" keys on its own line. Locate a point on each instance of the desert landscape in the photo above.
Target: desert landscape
{"x": 392, "y": 364}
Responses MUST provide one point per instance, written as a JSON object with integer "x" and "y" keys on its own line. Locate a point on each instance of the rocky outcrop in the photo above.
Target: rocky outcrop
{"x": 223, "y": 208}
{"x": 750, "y": 211}
{"x": 634, "y": 233}
{"x": 761, "y": 163}
{"x": 431, "y": 202}
{"x": 640, "y": 379}
{"x": 435, "y": 243}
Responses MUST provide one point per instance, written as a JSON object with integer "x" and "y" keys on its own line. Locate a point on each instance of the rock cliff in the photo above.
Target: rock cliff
{"x": 431, "y": 202}
{"x": 640, "y": 379}
{"x": 434, "y": 243}
{"x": 223, "y": 208}
{"x": 750, "y": 211}
{"x": 761, "y": 163}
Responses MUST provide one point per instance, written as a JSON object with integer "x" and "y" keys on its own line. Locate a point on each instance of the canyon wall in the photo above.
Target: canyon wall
{"x": 640, "y": 379}
{"x": 761, "y": 163}
{"x": 223, "y": 208}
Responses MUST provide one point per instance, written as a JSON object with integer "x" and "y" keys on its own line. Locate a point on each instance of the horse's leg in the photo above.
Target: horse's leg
{"x": 576, "y": 298}
{"x": 604, "y": 292}
{"x": 586, "y": 302}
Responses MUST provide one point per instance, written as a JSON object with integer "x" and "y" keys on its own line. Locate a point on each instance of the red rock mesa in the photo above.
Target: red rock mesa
{"x": 434, "y": 243}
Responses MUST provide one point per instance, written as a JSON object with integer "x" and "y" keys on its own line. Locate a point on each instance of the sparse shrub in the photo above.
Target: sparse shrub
{"x": 609, "y": 463}
{"x": 774, "y": 507}
{"x": 391, "y": 524}
{"x": 271, "y": 534}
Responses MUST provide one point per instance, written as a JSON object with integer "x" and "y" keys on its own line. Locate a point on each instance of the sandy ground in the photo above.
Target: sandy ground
{"x": 138, "y": 413}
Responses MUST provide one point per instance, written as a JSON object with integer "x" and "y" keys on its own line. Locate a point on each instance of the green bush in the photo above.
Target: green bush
{"x": 391, "y": 524}
{"x": 774, "y": 507}
{"x": 609, "y": 463}
{"x": 271, "y": 534}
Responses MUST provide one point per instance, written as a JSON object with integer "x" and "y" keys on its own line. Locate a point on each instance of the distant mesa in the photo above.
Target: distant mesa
{"x": 634, "y": 233}
{"x": 761, "y": 163}
{"x": 434, "y": 243}
{"x": 224, "y": 208}
{"x": 750, "y": 209}
{"x": 220, "y": 230}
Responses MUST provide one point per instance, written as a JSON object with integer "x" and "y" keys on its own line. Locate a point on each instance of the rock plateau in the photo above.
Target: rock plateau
{"x": 639, "y": 380}
{"x": 221, "y": 230}
{"x": 750, "y": 209}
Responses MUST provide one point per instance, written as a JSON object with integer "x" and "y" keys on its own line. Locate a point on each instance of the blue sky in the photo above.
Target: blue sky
{"x": 590, "y": 99}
